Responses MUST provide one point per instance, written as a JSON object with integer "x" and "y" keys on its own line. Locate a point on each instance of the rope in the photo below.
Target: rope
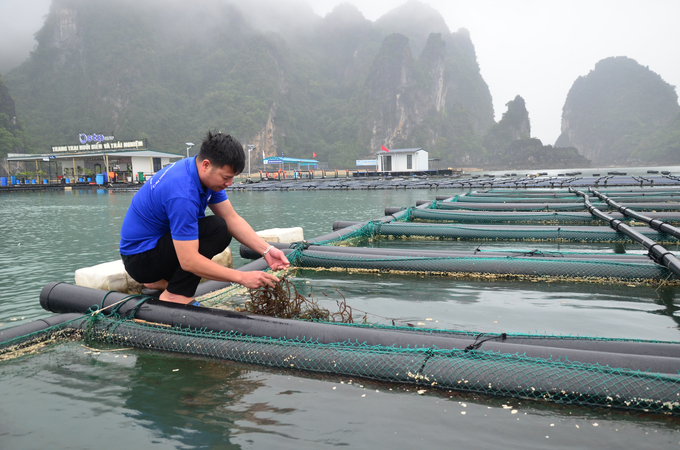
{"x": 477, "y": 344}
{"x": 115, "y": 307}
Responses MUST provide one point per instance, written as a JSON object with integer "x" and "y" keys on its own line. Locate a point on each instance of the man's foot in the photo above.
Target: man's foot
{"x": 152, "y": 292}
{"x": 175, "y": 298}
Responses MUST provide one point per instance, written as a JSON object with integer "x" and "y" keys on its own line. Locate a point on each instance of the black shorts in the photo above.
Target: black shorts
{"x": 161, "y": 263}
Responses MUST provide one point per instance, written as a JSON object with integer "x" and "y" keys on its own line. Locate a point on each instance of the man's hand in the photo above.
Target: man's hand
{"x": 257, "y": 279}
{"x": 276, "y": 259}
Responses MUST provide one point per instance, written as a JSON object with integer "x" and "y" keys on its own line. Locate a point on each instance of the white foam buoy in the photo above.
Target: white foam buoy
{"x": 285, "y": 235}
{"x": 111, "y": 276}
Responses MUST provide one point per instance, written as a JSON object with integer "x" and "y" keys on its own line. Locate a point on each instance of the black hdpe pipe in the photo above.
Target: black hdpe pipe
{"x": 340, "y": 224}
{"x": 637, "y": 200}
{"x": 393, "y": 210}
{"x": 67, "y": 298}
{"x": 368, "y": 252}
{"x": 396, "y": 211}
{"x": 35, "y": 326}
{"x": 522, "y": 193}
{"x": 339, "y": 234}
{"x": 471, "y": 371}
{"x": 506, "y": 199}
{"x": 669, "y": 206}
{"x": 653, "y": 223}
{"x": 504, "y": 265}
{"x": 564, "y": 193}
{"x": 513, "y": 232}
{"x": 656, "y": 251}
{"x": 510, "y": 206}
{"x": 565, "y": 216}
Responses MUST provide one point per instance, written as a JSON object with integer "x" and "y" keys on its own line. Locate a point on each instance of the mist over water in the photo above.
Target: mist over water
{"x": 523, "y": 47}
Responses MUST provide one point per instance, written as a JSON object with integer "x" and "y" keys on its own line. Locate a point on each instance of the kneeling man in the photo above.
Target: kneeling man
{"x": 167, "y": 241}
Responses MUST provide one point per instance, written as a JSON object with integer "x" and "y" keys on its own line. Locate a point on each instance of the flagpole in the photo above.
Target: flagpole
{"x": 250, "y": 149}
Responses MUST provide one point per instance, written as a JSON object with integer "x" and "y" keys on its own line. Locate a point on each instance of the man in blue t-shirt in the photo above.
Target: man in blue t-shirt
{"x": 167, "y": 240}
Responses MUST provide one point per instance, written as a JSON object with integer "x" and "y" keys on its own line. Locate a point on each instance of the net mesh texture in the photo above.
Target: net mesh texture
{"x": 478, "y": 371}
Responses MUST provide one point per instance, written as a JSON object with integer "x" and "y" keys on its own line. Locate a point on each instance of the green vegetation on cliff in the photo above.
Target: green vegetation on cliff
{"x": 167, "y": 72}
{"x": 622, "y": 113}
{"x": 12, "y": 138}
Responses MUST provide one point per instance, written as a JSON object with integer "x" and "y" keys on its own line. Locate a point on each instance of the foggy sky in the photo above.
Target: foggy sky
{"x": 532, "y": 48}
{"x": 19, "y": 21}
{"x": 537, "y": 48}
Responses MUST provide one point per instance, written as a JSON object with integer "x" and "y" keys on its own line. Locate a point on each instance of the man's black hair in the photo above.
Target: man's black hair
{"x": 222, "y": 150}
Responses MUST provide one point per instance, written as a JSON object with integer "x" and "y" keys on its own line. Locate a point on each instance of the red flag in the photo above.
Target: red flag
{"x": 385, "y": 149}
{"x": 313, "y": 155}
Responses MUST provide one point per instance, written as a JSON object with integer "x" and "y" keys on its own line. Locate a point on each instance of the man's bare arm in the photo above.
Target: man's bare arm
{"x": 192, "y": 261}
{"x": 244, "y": 233}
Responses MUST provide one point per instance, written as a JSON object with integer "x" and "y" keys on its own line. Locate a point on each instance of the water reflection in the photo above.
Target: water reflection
{"x": 666, "y": 297}
{"x": 189, "y": 399}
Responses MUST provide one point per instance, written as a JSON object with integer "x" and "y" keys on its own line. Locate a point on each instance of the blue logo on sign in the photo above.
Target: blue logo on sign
{"x": 85, "y": 138}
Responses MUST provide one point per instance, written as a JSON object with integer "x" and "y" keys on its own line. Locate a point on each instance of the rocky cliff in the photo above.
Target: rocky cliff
{"x": 339, "y": 86}
{"x": 422, "y": 102}
{"x": 514, "y": 125}
{"x": 610, "y": 113}
{"x": 11, "y": 133}
{"x": 509, "y": 144}
{"x": 7, "y": 108}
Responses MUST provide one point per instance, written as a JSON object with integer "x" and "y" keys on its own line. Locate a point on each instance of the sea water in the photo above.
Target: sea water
{"x": 71, "y": 396}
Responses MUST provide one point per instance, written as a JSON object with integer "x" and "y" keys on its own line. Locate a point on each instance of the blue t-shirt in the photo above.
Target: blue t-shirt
{"x": 172, "y": 200}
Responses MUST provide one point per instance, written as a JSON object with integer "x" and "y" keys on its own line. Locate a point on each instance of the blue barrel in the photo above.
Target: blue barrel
{"x": 68, "y": 181}
{"x": 13, "y": 179}
{"x": 32, "y": 181}
{"x": 3, "y": 181}
{"x": 80, "y": 180}
{"x": 45, "y": 181}
{"x": 99, "y": 178}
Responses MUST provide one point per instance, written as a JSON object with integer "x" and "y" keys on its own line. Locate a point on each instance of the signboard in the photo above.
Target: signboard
{"x": 97, "y": 145}
{"x": 273, "y": 160}
{"x": 367, "y": 162}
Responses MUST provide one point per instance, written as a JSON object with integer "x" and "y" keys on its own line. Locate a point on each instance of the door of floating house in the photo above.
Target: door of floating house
{"x": 387, "y": 163}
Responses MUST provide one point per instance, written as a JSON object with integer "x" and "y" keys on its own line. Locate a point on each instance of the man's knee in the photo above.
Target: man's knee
{"x": 220, "y": 223}
{"x": 223, "y": 232}
{"x": 211, "y": 223}
{"x": 213, "y": 230}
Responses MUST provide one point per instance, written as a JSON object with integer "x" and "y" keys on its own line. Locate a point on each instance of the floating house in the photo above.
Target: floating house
{"x": 402, "y": 160}
{"x": 122, "y": 161}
